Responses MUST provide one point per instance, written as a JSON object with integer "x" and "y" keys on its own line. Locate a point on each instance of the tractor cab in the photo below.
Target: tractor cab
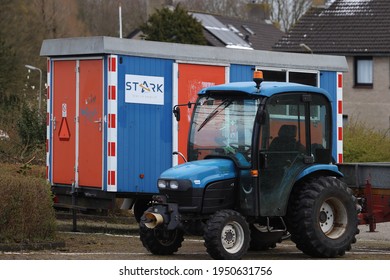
{"x": 271, "y": 131}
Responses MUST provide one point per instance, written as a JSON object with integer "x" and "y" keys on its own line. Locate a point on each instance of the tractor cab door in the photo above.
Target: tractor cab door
{"x": 295, "y": 133}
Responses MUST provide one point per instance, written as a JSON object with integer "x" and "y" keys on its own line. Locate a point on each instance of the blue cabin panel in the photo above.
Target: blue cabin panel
{"x": 241, "y": 73}
{"x": 144, "y": 122}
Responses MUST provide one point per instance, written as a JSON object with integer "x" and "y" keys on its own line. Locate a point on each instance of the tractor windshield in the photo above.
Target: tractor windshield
{"x": 223, "y": 126}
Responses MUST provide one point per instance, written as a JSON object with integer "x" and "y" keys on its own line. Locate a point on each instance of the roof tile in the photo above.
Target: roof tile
{"x": 359, "y": 27}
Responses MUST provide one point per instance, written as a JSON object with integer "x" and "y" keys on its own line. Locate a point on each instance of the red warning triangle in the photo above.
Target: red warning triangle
{"x": 64, "y": 133}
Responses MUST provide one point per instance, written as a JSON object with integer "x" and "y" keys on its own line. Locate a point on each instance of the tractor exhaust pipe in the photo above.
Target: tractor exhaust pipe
{"x": 153, "y": 219}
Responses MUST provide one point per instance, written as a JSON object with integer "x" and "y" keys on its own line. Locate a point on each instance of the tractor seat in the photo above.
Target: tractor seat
{"x": 286, "y": 139}
{"x": 288, "y": 131}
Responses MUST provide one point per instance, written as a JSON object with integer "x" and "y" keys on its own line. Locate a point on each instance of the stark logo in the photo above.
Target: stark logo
{"x": 144, "y": 89}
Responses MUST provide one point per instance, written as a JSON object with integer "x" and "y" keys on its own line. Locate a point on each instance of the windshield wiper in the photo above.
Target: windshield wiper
{"x": 215, "y": 112}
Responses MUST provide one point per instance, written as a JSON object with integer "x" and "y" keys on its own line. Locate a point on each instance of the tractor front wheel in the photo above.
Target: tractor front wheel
{"x": 160, "y": 241}
{"x": 227, "y": 235}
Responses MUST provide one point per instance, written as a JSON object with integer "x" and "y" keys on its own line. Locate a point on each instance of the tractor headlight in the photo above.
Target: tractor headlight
{"x": 162, "y": 184}
{"x": 174, "y": 185}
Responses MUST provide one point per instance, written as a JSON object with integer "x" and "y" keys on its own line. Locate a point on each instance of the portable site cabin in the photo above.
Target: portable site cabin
{"x": 110, "y": 127}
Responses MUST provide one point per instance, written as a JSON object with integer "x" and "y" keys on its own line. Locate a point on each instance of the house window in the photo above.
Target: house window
{"x": 363, "y": 71}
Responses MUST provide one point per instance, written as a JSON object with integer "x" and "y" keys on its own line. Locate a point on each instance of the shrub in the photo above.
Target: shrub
{"x": 32, "y": 127}
{"x": 26, "y": 135}
{"x": 26, "y": 210}
{"x": 365, "y": 144}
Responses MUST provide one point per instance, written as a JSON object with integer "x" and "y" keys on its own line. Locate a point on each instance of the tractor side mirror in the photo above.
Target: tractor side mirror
{"x": 176, "y": 112}
{"x": 176, "y": 109}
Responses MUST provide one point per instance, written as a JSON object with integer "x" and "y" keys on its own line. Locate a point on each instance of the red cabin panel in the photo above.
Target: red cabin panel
{"x": 90, "y": 123}
{"x": 77, "y": 130}
{"x": 192, "y": 78}
{"x": 64, "y": 132}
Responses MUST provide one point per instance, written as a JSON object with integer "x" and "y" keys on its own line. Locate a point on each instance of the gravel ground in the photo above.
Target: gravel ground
{"x": 117, "y": 239}
{"x": 382, "y": 232}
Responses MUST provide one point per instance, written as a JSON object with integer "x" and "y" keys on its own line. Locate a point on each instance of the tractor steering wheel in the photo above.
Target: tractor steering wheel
{"x": 239, "y": 148}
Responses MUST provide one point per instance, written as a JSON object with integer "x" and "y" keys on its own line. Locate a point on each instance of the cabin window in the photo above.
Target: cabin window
{"x": 303, "y": 78}
{"x": 309, "y": 77}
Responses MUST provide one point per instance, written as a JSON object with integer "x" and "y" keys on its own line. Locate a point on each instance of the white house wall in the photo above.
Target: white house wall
{"x": 369, "y": 105}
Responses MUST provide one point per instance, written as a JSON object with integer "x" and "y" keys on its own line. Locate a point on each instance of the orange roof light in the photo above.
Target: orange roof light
{"x": 258, "y": 74}
{"x": 258, "y": 78}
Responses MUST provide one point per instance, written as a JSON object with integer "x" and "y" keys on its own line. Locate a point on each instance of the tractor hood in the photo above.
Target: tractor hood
{"x": 202, "y": 172}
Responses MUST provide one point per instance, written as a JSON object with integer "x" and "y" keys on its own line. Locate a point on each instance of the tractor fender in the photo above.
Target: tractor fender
{"x": 280, "y": 197}
{"x": 314, "y": 171}
{"x": 328, "y": 169}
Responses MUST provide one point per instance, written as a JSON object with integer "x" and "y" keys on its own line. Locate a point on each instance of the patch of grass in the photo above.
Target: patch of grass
{"x": 365, "y": 144}
{"x": 26, "y": 205}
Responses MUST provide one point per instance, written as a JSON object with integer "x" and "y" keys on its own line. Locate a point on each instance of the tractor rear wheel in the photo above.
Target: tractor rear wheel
{"x": 322, "y": 217}
{"x": 227, "y": 235}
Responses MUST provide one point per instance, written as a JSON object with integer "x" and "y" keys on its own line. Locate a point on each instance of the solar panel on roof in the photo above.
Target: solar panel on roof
{"x": 232, "y": 28}
{"x": 219, "y": 30}
{"x": 247, "y": 29}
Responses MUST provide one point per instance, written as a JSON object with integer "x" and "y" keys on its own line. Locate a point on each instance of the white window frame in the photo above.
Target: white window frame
{"x": 288, "y": 71}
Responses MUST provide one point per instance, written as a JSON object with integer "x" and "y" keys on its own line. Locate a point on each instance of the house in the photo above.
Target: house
{"x": 222, "y": 31}
{"x": 253, "y": 31}
{"x": 359, "y": 30}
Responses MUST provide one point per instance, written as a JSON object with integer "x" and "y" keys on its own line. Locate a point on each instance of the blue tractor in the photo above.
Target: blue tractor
{"x": 260, "y": 167}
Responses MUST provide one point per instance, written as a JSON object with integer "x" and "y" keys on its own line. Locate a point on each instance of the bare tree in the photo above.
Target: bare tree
{"x": 102, "y": 16}
{"x": 25, "y": 24}
{"x": 232, "y": 8}
{"x": 287, "y": 12}
{"x": 58, "y": 19}
{"x": 283, "y": 13}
